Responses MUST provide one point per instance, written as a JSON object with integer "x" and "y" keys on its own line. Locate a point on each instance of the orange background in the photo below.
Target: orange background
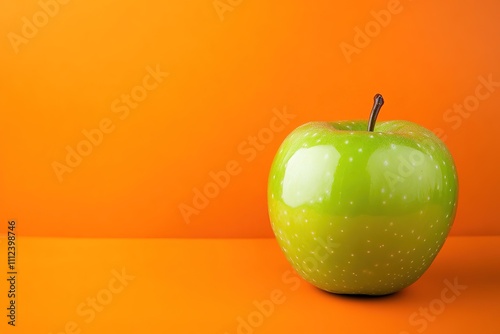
{"x": 214, "y": 285}
{"x": 225, "y": 79}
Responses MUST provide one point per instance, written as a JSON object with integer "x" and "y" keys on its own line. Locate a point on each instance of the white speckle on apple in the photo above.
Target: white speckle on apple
{"x": 317, "y": 161}
{"x": 404, "y": 197}
{"x": 393, "y": 146}
{"x": 371, "y": 137}
{"x": 382, "y": 190}
{"x": 350, "y": 159}
{"x": 360, "y": 150}
{"x": 315, "y": 134}
{"x": 346, "y": 142}
{"x": 351, "y": 202}
{"x": 386, "y": 163}
{"x": 384, "y": 202}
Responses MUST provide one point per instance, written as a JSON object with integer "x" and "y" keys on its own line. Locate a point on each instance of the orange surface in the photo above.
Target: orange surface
{"x": 213, "y": 286}
{"x": 87, "y": 65}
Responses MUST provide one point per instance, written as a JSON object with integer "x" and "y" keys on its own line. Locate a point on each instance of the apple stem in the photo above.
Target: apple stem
{"x": 378, "y": 102}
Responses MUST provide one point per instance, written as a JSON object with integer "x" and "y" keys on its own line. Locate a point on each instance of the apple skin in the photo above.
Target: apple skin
{"x": 360, "y": 212}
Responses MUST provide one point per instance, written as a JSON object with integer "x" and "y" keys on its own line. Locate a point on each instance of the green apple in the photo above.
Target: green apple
{"x": 359, "y": 208}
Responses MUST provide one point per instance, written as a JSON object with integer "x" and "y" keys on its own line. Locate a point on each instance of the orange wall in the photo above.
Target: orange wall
{"x": 229, "y": 72}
